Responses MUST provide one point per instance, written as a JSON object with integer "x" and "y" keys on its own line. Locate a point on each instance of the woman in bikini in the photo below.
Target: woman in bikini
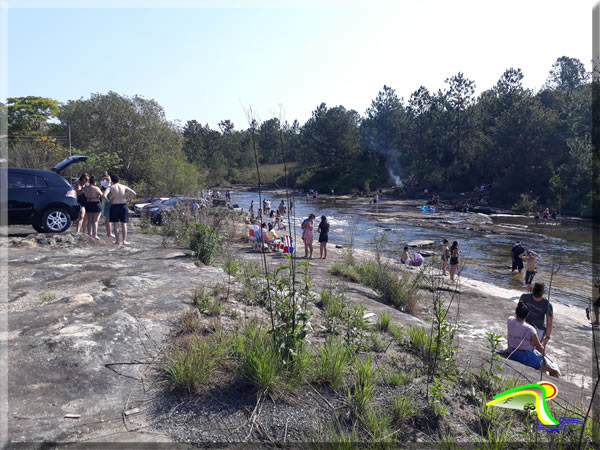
{"x": 93, "y": 206}
{"x": 445, "y": 256}
{"x": 454, "y": 252}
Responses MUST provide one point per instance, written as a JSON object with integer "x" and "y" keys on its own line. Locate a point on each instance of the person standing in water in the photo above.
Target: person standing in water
{"x": 454, "y": 252}
{"x": 445, "y": 256}
{"x": 307, "y": 236}
{"x": 323, "y": 237}
{"x": 530, "y": 272}
{"x": 118, "y": 207}
{"x": 516, "y": 252}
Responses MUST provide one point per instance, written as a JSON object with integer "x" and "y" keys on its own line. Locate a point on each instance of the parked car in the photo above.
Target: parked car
{"x": 159, "y": 213}
{"x": 138, "y": 207}
{"x": 42, "y": 198}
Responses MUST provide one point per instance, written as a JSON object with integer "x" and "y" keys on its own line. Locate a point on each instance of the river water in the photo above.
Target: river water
{"x": 486, "y": 254}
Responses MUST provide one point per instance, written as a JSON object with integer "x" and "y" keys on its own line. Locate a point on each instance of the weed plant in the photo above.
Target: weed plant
{"x": 403, "y": 408}
{"x": 260, "y": 363}
{"x": 330, "y": 363}
{"x": 364, "y": 386}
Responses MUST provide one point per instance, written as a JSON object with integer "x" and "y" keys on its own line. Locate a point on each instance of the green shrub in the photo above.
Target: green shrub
{"x": 378, "y": 425}
{"x": 525, "y": 204}
{"x": 377, "y": 344}
{"x": 231, "y": 266}
{"x": 259, "y": 360}
{"x": 204, "y": 242}
{"x": 403, "y": 408}
{"x": 190, "y": 367}
{"x": 345, "y": 271}
{"x": 419, "y": 340}
{"x": 331, "y": 362}
{"x": 364, "y": 386}
{"x": 398, "y": 333}
{"x": 332, "y": 304}
{"x": 399, "y": 378}
{"x": 190, "y": 322}
{"x": 383, "y": 321}
{"x": 201, "y": 298}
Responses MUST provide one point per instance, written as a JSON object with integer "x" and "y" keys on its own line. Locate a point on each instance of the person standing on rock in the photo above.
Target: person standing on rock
{"x": 307, "y": 235}
{"x": 517, "y": 262}
{"x": 105, "y": 183}
{"x": 445, "y": 256}
{"x": 118, "y": 207}
{"x": 454, "y": 253}
{"x": 93, "y": 206}
{"x": 81, "y": 184}
{"x": 540, "y": 312}
{"x": 323, "y": 237}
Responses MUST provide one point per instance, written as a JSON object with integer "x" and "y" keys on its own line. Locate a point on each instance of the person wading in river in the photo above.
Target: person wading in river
{"x": 517, "y": 251}
{"x": 531, "y": 258}
{"x": 118, "y": 206}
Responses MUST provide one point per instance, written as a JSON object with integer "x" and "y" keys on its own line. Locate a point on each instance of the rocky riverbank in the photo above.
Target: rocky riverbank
{"x": 87, "y": 320}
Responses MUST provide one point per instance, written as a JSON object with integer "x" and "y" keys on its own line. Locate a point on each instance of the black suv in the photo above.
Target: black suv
{"x": 42, "y": 198}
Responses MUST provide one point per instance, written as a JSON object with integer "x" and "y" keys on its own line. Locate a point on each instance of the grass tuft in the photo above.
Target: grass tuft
{"x": 403, "y": 408}
{"x": 331, "y": 362}
{"x": 259, "y": 360}
{"x": 383, "y": 321}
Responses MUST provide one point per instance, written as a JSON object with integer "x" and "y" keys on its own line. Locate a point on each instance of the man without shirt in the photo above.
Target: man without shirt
{"x": 540, "y": 312}
{"x": 530, "y": 257}
{"x": 118, "y": 206}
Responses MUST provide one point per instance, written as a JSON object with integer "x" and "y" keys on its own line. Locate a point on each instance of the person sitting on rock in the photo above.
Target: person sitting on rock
{"x": 405, "y": 257}
{"x": 416, "y": 260}
{"x": 524, "y": 345}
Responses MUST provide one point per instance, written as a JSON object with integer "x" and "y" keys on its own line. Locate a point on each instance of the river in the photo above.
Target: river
{"x": 486, "y": 253}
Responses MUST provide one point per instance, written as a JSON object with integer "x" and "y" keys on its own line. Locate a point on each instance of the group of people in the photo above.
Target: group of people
{"x": 546, "y": 215}
{"x": 275, "y": 216}
{"x": 308, "y": 237}
{"x": 520, "y": 255}
{"x": 110, "y": 201}
{"x": 529, "y": 331}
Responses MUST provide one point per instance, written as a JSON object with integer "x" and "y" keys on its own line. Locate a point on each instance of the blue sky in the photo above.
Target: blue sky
{"x": 210, "y": 64}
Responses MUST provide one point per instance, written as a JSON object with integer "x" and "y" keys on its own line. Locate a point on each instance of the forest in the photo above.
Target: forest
{"x": 530, "y": 147}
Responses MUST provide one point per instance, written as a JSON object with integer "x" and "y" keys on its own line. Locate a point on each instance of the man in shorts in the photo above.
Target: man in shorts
{"x": 530, "y": 272}
{"x": 517, "y": 263}
{"x": 119, "y": 212}
{"x": 540, "y": 312}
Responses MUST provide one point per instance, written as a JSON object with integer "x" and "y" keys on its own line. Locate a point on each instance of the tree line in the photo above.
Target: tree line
{"x": 525, "y": 144}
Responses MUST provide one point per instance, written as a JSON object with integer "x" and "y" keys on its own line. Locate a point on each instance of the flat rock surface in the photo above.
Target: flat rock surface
{"x": 81, "y": 314}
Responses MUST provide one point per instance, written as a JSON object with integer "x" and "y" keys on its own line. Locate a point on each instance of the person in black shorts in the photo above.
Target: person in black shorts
{"x": 323, "y": 237}
{"x": 517, "y": 262}
{"x": 118, "y": 207}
